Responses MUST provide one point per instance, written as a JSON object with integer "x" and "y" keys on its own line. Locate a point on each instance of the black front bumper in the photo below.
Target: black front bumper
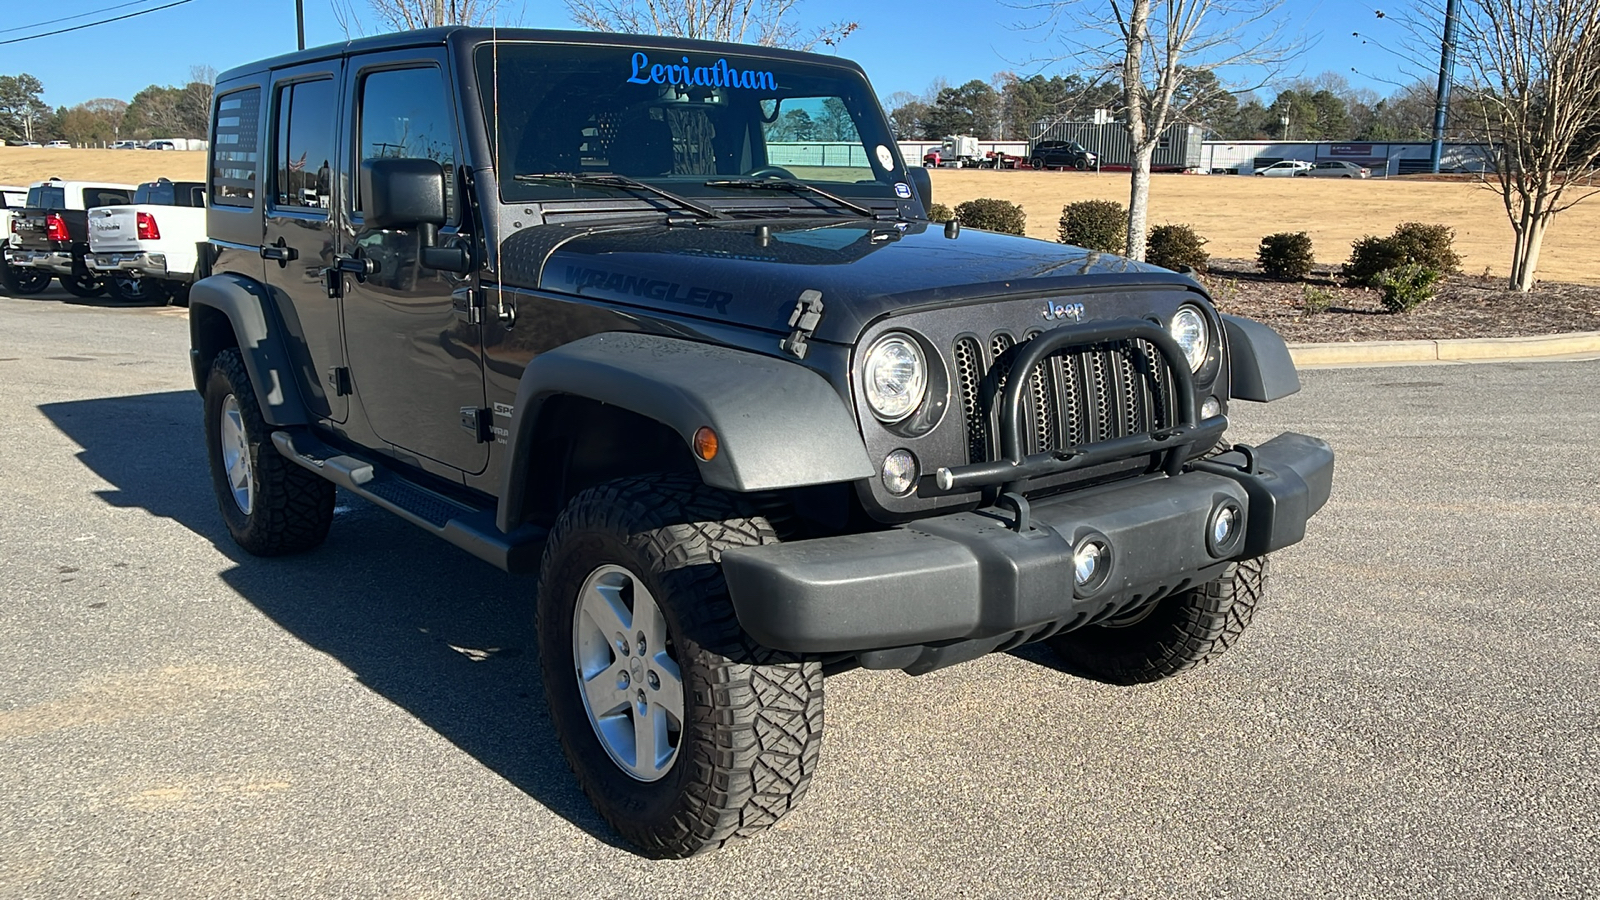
{"x": 922, "y": 594}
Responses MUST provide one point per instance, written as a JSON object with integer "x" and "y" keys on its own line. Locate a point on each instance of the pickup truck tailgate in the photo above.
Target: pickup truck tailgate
{"x": 113, "y": 228}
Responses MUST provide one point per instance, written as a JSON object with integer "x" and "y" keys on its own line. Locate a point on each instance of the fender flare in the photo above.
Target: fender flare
{"x": 1259, "y": 365}
{"x": 778, "y": 424}
{"x": 247, "y": 307}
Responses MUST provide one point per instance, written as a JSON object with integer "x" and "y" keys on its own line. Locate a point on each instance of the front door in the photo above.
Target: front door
{"x": 299, "y": 239}
{"x": 417, "y": 365}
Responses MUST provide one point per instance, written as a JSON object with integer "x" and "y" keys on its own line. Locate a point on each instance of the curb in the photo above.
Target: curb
{"x": 1457, "y": 350}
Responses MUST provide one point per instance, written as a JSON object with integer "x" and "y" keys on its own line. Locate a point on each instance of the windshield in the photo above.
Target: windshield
{"x": 679, "y": 120}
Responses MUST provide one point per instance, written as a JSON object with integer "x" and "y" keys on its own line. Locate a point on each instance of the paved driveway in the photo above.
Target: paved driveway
{"x": 1415, "y": 713}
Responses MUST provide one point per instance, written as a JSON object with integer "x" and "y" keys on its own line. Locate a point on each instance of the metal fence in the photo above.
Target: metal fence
{"x": 1178, "y": 148}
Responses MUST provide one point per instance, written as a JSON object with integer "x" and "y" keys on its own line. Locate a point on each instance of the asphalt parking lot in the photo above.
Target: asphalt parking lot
{"x": 1415, "y": 712}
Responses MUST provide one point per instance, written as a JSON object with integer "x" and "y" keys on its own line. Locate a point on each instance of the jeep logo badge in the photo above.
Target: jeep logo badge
{"x": 1058, "y": 311}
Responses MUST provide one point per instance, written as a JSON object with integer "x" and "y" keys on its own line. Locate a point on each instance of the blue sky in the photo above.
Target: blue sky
{"x": 903, "y": 46}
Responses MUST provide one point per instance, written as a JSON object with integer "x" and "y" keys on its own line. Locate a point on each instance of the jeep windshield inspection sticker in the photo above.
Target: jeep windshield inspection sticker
{"x": 720, "y": 74}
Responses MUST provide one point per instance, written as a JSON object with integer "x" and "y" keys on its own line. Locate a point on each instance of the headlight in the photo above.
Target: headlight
{"x": 895, "y": 377}
{"x": 1189, "y": 330}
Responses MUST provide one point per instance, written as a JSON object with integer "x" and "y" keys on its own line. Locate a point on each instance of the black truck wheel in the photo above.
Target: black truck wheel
{"x": 681, "y": 729}
{"x": 1170, "y": 636}
{"x": 84, "y": 286}
{"x": 20, "y": 281}
{"x": 271, "y": 506}
{"x": 136, "y": 290}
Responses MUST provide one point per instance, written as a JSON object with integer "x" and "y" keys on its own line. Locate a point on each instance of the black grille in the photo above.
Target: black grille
{"x": 1078, "y": 396}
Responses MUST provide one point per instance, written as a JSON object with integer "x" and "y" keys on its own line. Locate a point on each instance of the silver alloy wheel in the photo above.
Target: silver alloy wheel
{"x": 235, "y": 450}
{"x": 630, "y": 684}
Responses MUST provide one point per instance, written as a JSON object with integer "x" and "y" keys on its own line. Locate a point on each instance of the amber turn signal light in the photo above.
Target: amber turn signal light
{"x": 705, "y": 444}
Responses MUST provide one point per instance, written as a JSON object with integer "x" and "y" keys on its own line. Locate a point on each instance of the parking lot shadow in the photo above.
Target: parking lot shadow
{"x": 439, "y": 633}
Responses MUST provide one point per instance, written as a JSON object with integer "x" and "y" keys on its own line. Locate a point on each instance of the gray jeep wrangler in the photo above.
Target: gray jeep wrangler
{"x": 665, "y": 323}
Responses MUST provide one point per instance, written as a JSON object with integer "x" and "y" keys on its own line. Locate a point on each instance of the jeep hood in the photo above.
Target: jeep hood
{"x": 864, "y": 270}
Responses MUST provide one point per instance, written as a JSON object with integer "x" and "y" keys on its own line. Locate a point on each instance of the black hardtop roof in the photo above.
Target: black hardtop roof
{"x": 434, "y": 37}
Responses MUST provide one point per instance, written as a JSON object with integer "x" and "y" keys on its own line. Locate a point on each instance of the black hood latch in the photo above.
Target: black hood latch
{"x": 807, "y": 313}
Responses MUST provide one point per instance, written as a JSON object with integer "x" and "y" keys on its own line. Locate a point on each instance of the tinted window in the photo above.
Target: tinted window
{"x": 47, "y": 197}
{"x": 236, "y": 148}
{"x": 156, "y": 193}
{"x": 93, "y": 197}
{"x": 404, "y": 116}
{"x": 303, "y": 145}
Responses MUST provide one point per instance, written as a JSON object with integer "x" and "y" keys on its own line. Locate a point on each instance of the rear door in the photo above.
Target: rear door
{"x": 417, "y": 365}
{"x": 299, "y": 239}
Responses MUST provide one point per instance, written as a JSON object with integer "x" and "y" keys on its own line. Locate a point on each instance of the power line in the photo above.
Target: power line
{"x": 93, "y": 24}
{"x": 82, "y": 15}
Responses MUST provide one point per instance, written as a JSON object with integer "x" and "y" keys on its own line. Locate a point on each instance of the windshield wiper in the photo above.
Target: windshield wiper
{"x": 607, "y": 179}
{"x": 793, "y": 187}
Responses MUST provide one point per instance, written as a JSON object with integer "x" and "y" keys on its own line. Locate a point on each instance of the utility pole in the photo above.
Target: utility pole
{"x": 300, "y": 21}
{"x": 1447, "y": 65}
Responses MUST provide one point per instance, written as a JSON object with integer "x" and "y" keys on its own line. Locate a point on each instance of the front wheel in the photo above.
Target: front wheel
{"x": 1081, "y": 165}
{"x": 681, "y": 729}
{"x": 1170, "y": 636}
{"x": 85, "y": 286}
{"x": 271, "y": 506}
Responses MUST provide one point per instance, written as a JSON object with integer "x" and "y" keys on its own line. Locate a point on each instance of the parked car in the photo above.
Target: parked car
{"x": 1287, "y": 168}
{"x": 125, "y": 145}
{"x": 52, "y": 233}
{"x": 59, "y": 145}
{"x": 750, "y": 424}
{"x": 13, "y": 280}
{"x": 147, "y": 250}
{"x": 1061, "y": 155}
{"x": 1335, "y": 168}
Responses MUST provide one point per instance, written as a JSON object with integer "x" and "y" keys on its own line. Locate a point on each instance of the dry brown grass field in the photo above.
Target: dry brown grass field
{"x": 1234, "y": 212}
{"x": 24, "y": 165}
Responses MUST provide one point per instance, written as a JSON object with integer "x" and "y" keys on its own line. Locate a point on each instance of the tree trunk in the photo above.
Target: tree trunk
{"x": 1139, "y": 202}
{"x": 1525, "y": 252}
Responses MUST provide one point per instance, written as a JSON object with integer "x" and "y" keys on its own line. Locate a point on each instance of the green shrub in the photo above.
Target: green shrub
{"x": 1096, "y": 225}
{"x": 992, "y": 215}
{"x": 1412, "y": 243}
{"x": 1315, "y": 299}
{"x": 1408, "y": 286}
{"x": 1175, "y": 246}
{"x": 1286, "y": 255}
{"x": 938, "y": 212}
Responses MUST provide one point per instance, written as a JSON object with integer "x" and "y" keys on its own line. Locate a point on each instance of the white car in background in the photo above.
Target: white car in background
{"x": 1285, "y": 169}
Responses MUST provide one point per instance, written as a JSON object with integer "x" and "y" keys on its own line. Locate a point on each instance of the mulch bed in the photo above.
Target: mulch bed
{"x": 1465, "y": 306}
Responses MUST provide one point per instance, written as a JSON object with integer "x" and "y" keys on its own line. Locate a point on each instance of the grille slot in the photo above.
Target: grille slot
{"x": 1077, "y": 396}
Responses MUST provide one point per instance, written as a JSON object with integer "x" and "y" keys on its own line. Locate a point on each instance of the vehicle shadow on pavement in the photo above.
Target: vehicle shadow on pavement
{"x": 444, "y": 636}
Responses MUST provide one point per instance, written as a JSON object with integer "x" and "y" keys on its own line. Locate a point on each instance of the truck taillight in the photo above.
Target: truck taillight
{"x": 55, "y": 227}
{"x": 147, "y": 228}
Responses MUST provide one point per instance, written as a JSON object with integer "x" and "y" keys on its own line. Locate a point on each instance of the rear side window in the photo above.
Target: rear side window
{"x": 93, "y": 197}
{"x": 13, "y": 200}
{"x": 159, "y": 193}
{"x": 47, "y": 196}
{"x": 236, "y": 148}
{"x": 303, "y": 144}
{"x": 404, "y": 115}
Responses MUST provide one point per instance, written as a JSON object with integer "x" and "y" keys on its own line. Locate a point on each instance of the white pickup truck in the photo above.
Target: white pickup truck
{"x": 15, "y": 281}
{"x": 146, "y": 251}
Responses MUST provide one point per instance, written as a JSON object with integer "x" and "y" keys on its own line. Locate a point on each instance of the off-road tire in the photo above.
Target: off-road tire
{"x": 752, "y": 716}
{"x": 1179, "y": 633}
{"x": 292, "y": 508}
{"x": 85, "y": 286}
{"x": 20, "y": 282}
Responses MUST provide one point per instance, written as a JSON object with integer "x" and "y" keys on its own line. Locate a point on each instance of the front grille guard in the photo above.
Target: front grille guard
{"x": 1014, "y": 467}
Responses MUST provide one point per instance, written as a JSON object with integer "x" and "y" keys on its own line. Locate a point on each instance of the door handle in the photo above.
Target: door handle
{"x": 359, "y": 266}
{"x": 280, "y": 251}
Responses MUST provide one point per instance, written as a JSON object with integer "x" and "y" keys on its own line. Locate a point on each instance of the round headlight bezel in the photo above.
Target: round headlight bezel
{"x": 1200, "y": 350}
{"x": 917, "y": 388}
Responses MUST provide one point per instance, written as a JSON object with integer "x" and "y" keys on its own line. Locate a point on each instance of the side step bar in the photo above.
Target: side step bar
{"x": 468, "y": 527}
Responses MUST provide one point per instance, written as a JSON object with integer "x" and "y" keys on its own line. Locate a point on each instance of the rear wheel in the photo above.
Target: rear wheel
{"x": 1170, "y": 636}
{"x": 136, "y": 290}
{"x": 18, "y": 281}
{"x": 85, "y": 286}
{"x": 681, "y": 729}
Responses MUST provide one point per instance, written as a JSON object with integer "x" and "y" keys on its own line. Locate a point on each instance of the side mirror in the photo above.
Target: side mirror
{"x": 923, "y": 183}
{"x": 402, "y": 193}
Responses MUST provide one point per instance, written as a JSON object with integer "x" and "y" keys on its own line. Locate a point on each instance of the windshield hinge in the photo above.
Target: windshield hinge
{"x": 807, "y": 313}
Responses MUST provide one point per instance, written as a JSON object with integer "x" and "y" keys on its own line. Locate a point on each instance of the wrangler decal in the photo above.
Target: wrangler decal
{"x": 598, "y": 280}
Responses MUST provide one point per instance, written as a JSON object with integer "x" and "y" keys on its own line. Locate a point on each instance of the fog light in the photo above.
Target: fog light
{"x": 1086, "y": 562}
{"x": 899, "y": 472}
{"x": 1222, "y": 527}
{"x": 1225, "y": 530}
{"x": 1211, "y": 407}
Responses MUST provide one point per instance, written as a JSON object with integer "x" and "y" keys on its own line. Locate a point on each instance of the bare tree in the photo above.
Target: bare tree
{"x": 1528, "y": 72}
{"x": 769, "y": 23}
{"x": 409, "y": 15}
{"x": 1153, "y": 47}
